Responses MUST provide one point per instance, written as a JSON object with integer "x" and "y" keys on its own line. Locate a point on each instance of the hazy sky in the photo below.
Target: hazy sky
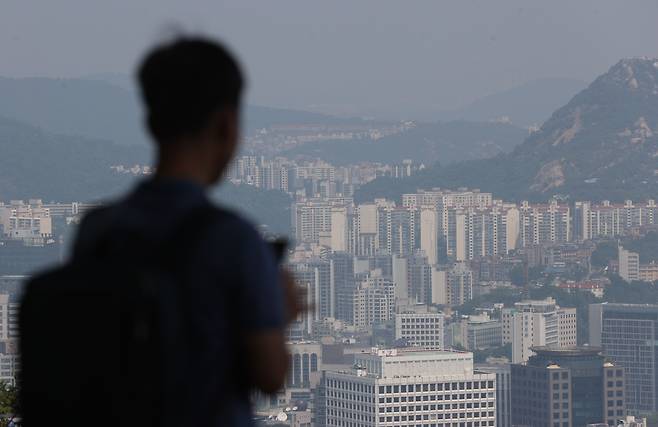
{"x": 363, "y": 56}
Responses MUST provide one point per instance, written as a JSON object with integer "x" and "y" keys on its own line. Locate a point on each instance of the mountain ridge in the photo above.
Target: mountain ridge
{"x": 525, "y": 105}
{"x": 100, "y": 109}
{"x": 443, "y": 142}
{"x": 602, "y": 144}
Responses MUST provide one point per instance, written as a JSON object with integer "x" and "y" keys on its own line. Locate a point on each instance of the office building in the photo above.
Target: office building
{"x": 478, "y": 332}
{"x": 342, "y": 268}
{"x": 9, "y": 308}
{"x": 409, "y": 387}
{"x": 536, "y": 323}
{"x": 10, "y": 362}
{"x": 627, "y": 333}
{"x": 29, "y": 222}
{"x": 627, "y": 421}
{"x": 420, "y": 329}
{"x": 567, "y": 387}
{"x": 503, "y": 374}
{"x": 305, "y": 364}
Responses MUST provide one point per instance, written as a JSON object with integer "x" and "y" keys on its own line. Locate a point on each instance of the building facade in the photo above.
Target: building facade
{"x": 628, "y": 334}
{"x": 424, "y": 330}
{"x": 534, "y": 323}
{"x": 394, "y": 387}
{"x": 567, "y": 387}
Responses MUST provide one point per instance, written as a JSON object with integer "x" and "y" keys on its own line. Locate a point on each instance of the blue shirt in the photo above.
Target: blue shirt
{"x": 233, "y": 287}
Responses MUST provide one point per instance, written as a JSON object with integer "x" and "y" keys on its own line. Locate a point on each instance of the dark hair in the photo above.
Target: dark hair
{"x": 183, "y": 82}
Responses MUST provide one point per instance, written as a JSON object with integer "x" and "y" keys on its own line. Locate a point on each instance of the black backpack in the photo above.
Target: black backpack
{"x": 103, "y": 338}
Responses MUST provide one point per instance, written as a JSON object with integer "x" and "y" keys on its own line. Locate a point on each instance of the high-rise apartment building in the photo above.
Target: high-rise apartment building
{"x": 453, "y": 286}
{"x": 567, "y": 387}
{"x": 419, "y": 278}
{"x": 374, "y": 301}
{"x": 628, "y": 334}
{"x": 367, "y": 229}
{"x": 484, "y": 232}
{"x": 399, "y": 230}
{"x": 311, "y": 219}
{"x": 462, "y": 198}
{"x": 409, "y": 387}
{"x": 536, "y": 323}
{"x": 606, "y": 219}
{"x": 430, "y": 233}
{"x": 550, "y": 223}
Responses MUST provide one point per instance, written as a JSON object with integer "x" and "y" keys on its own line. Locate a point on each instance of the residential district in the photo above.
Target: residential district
{"x": 445, "y": 308}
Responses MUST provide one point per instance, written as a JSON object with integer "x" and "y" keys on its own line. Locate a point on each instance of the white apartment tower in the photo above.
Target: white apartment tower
{"x": 549, "y": 223}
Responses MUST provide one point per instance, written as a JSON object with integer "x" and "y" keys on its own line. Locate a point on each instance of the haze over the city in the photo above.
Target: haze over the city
{"x": 389, "y": 59}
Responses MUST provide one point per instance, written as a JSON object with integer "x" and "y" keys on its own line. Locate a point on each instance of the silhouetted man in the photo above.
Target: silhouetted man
{"x": 235, "y": 293}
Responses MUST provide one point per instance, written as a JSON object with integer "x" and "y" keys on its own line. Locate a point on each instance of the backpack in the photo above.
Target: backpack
{"x": 103, "y": 338}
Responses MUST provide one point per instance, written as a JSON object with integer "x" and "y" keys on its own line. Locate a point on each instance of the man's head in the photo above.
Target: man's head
{"x": 191, "y": 89}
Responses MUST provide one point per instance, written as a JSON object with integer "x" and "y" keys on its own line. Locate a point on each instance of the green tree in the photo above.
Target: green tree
{"x": 604, "y": 252}
{"x": 8, "y": 399}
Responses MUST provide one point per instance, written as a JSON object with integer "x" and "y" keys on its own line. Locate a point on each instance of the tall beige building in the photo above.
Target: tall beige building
{"x": 454, "y": 286}
{"x": 629, "y": 265}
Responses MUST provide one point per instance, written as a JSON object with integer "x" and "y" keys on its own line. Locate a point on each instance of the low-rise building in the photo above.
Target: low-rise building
{"x": 478, "y": 332}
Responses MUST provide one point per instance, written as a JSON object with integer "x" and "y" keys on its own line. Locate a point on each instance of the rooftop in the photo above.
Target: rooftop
{"x": 567, "y": 351}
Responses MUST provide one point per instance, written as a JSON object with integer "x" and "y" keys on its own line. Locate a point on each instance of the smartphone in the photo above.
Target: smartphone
{"x": 279, "y": 246}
